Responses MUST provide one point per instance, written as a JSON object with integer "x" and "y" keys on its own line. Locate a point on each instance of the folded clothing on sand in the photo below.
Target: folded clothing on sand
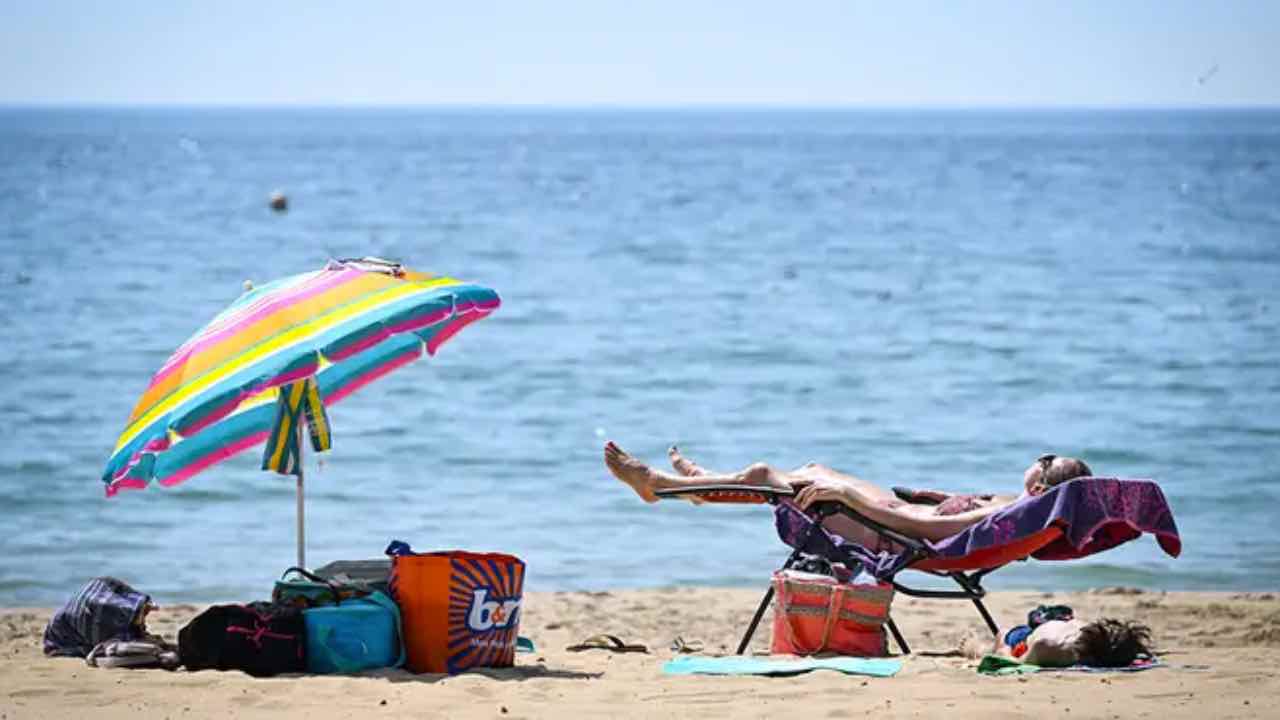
{"x": 736, "y": 665}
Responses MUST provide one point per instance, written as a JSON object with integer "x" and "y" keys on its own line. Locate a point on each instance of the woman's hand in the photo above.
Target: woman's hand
{"x": 822, "y": 491}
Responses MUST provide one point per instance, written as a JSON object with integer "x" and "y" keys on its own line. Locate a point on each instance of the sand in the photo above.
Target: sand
{"x": 1222, "y": 656}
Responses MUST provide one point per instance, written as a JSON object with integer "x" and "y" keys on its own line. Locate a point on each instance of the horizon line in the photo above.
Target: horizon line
{"x": 604, "y": 107}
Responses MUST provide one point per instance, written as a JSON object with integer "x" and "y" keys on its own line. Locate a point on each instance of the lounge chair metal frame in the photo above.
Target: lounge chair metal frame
{"x": 970, "y": 582}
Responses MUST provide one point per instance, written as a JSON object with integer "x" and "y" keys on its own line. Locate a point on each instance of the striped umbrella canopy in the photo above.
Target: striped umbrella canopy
{"x": 270, "y": 363}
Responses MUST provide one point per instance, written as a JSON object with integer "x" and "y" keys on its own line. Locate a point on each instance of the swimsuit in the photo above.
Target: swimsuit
{"x": 956, "y": 504}
{"x": 951, "y": 505}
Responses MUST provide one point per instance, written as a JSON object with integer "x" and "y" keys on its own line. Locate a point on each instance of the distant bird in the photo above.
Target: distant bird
{"x": 1208, "y": 75}
{"x": 278, "y": 201}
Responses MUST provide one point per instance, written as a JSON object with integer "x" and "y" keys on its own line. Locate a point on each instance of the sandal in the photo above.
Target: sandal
{"x": 607, "y": 642}
{"x": 680, "y": 645}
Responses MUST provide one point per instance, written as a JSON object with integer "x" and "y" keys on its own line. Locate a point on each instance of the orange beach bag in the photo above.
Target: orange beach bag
{"x": 819, "y": 614}
{"x": 460, "y": 610}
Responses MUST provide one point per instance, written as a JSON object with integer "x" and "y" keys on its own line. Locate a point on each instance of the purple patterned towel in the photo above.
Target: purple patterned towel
{"x": 1095, "y": 514}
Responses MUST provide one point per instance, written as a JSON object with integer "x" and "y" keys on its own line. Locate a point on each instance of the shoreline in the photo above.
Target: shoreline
{"x": 1220, "y": 650}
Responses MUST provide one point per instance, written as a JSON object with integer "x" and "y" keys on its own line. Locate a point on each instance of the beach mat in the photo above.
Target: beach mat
{"x": 1000, "y": 665}
{"x": 733, "y": 665}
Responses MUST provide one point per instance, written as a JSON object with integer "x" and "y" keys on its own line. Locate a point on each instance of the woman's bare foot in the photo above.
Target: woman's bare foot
{"x": 688, "y": 468}
{"x": 643, "y": 479}
{"x": 683, "y": 465}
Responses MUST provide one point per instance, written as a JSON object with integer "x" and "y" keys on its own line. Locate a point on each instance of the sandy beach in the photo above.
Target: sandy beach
{"x": 1221, "y": 653}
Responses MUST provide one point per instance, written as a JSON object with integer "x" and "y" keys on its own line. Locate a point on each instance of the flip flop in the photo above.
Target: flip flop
{"x": 680, "y": 645}
{"x": 607, "y": 642}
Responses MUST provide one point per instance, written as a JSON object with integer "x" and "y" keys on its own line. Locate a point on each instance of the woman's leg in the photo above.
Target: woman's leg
{"x": 644, "y": 480}
{"x": 689, "y": 468}
{"x": 916, "y": 521}
{"x": 806, "y": 474}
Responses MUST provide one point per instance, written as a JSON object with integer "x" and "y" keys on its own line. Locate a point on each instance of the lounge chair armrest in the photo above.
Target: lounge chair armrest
{"x": 913, "y": 544}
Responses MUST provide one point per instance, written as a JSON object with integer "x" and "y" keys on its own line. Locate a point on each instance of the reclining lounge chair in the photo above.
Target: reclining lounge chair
{"x": 1073, "y": 520}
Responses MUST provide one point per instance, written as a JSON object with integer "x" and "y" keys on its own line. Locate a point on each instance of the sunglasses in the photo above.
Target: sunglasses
{"x": 1045, "y": 462}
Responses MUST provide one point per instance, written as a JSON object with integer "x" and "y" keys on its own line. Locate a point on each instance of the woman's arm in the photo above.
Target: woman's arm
{"x": 941, "y": 527}
{"x": 921, "y": 526}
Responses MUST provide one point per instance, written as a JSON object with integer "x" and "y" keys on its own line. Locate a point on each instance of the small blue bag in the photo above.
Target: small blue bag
{"x": 359, "y": 634}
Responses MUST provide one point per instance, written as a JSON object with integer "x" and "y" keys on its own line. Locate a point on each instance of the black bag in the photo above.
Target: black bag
{"x": 259, "y": 638}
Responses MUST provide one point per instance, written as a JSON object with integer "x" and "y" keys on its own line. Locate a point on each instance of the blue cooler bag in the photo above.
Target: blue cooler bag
{"x": 360, "y": 634}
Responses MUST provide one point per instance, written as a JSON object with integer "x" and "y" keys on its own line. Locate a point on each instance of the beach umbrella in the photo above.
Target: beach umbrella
{"x": 267, "y": 366}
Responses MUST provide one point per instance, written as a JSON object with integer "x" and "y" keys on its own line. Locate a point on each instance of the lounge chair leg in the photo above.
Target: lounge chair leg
{"x": 897, "y": 636}
{"x": 973, "y": 588}
{"x": 751, "y": 629}
{"x": 982, "y": 609}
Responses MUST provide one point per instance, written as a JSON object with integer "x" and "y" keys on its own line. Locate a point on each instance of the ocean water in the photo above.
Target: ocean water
{"x": 922, "y": 298}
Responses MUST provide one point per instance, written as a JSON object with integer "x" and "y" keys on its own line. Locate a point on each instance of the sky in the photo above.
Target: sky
{"x": 641, "y": 53}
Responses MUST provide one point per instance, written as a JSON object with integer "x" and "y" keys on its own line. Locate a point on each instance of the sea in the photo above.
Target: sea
{"x": 926, "y": 298}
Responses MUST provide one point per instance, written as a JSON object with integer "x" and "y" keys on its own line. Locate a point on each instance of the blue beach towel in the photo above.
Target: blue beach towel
{"x": 734, "y": 665}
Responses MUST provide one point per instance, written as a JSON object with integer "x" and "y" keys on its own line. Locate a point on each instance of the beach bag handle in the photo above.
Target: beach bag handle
{"x": 306, "y": 574}
{"x": 833, "y": 614}
{"x": 334, "y": 587}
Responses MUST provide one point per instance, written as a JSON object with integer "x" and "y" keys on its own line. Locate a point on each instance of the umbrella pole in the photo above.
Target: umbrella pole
{"x": 302, "y": 552}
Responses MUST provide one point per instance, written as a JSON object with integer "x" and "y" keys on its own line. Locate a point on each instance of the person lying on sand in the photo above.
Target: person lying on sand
{"x": 1105, "y": 643}
{"x": 929, "y": 515}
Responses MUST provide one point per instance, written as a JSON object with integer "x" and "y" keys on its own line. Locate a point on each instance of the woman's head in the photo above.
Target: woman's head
{"x": 1050, "y": 470}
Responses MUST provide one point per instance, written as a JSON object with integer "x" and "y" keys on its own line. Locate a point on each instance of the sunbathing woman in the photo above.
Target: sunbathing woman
{"x": 929, "y": 515}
